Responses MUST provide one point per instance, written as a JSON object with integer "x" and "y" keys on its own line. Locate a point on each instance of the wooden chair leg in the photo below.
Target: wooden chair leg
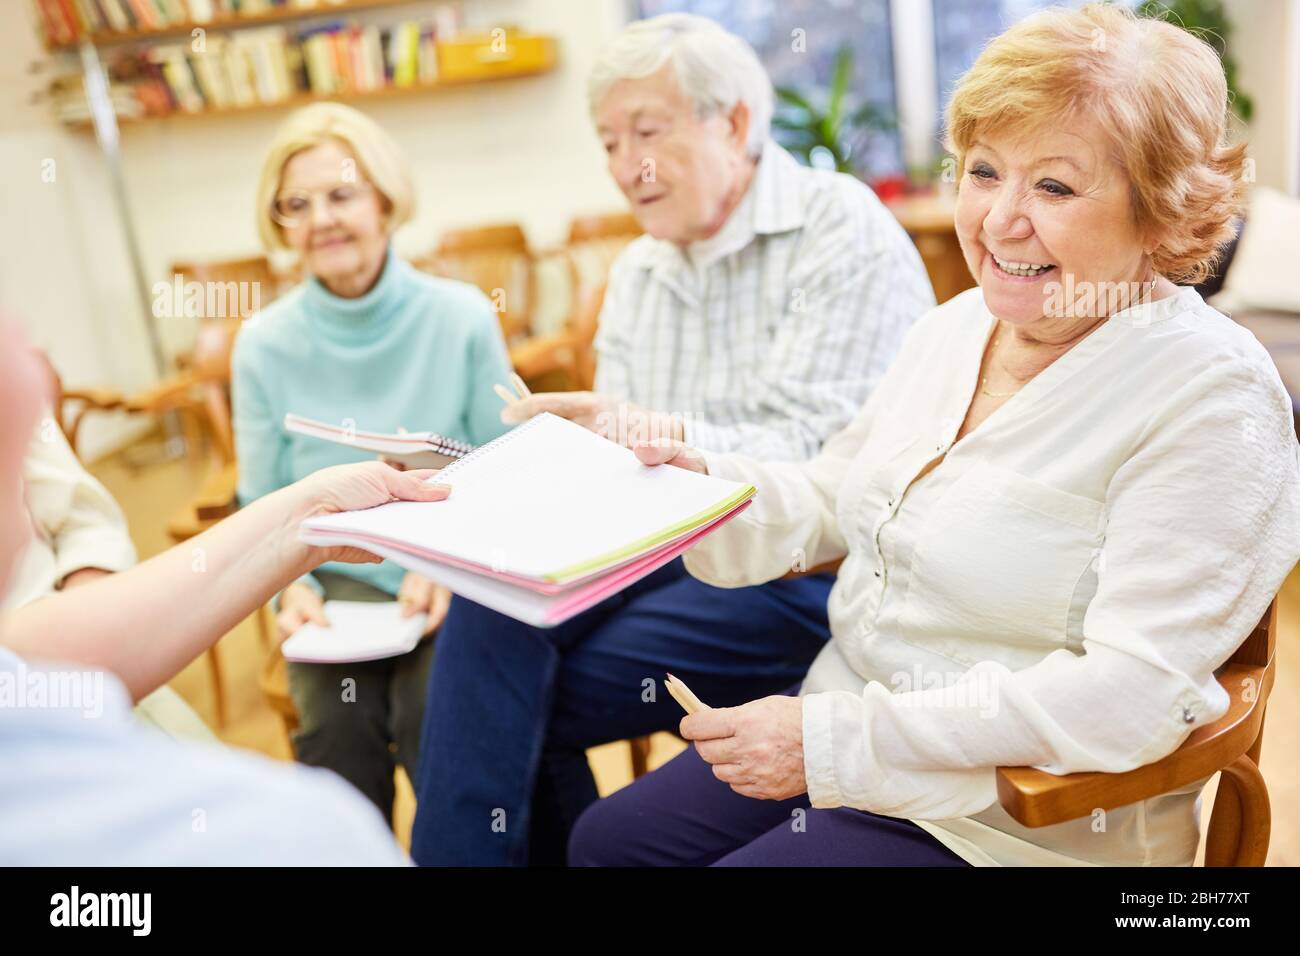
{"x": 1241, "y": 821}
{"x": 264, "y": 624}
{"x": 640, "y": 750}
{"x": 218, "y": 691}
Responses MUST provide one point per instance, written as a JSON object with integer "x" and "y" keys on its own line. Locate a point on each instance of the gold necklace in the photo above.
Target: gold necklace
{"x": 984, "y": 380}
{"x": 984, "y": 389}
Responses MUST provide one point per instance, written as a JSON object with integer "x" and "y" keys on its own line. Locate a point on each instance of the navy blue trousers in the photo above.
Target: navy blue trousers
{"x": 682, "y": 815}
{"x": 512, "y": 709}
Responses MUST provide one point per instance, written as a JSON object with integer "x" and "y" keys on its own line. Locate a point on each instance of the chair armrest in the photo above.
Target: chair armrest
{"x": 830, "y": 567}
{"x": 166, "y": 395}
{"x": 534, "y": 357}
{"x": 1037, "y": 799}
{"x": 100, "y": 398}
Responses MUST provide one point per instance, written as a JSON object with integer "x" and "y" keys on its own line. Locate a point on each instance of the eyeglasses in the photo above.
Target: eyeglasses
{"x": 291, "y": 208}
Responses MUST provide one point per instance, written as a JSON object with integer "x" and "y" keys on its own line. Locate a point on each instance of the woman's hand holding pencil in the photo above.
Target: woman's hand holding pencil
{"x": 756, "y": 748}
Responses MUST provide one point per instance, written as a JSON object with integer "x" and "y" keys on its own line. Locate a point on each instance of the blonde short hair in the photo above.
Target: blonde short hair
{"x": 1159, "y": 92}
{"x": 379, "y": 158}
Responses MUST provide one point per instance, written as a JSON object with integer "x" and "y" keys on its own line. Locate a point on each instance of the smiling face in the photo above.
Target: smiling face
{"x": 1042, "y": 209}
{"x": 680, "y": 173}
{"x": 335, "y": 217}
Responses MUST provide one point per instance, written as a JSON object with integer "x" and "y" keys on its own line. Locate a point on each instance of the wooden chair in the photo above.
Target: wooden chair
{"x": 209, "y": 388}
{"x": 594, "y": 243}
{"x": 57, "y": 397}
{"x": 1240, "y": 822}
{"x": 497, "y": 260}
{"x": 274, "y": 682}
{"x": 216, "y": 499}
{"x": 566, "y": 359}
{"x": 182, "y": 391}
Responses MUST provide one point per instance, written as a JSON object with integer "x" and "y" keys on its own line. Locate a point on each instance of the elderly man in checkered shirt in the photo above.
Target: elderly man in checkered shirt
{"x": 756, "y": 315}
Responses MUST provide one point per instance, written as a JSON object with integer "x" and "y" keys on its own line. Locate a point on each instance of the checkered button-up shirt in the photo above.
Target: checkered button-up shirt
{"x": 768, "y": 337}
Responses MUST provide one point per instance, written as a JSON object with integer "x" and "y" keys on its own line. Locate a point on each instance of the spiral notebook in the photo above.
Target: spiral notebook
{"x": 543, "y": 522}
{"x": 413, "y": 449}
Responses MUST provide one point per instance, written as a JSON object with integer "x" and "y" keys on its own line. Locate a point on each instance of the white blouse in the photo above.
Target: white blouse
{"x": 1057, "y": 592}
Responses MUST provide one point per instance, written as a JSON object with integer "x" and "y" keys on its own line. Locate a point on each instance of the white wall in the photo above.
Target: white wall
{"x": 519, "y": 151}
{"x": 1266, "y": 42}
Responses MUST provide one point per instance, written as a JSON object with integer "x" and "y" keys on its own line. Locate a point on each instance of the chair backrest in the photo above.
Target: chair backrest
{"x": 248, "y": 283}
{"x": 594, "y": 243}
{"x": 211, "y": 364}
{"x": 497, "y": 260}
{"x": 582, "y": 329}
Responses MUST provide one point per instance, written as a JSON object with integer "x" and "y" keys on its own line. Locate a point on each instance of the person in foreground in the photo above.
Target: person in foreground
{"x": 82, "y": 785}
{"x": 1058, "y": 515}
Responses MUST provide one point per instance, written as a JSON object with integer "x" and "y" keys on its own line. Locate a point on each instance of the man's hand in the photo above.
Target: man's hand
{"x": 757, "y": 747}
{"x": 666, "y": 451}
{"x": 621, "y": 422}
{"x": 419, "y": 595}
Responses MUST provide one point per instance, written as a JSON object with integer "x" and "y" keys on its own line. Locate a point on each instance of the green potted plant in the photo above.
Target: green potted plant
{"x": 820, "y": 127}
{"x": 1208, "y": 20}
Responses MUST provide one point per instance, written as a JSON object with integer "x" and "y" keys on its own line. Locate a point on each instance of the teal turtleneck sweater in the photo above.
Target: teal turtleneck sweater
{"x": 415, "y": 352}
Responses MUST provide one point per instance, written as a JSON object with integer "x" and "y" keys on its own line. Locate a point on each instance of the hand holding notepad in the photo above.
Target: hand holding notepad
{"x": 544, "y": 522}
{"x": 358, "y": 631}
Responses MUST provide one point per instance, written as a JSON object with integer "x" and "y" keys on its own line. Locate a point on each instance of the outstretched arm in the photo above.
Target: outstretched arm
{"x": 147, "y": 623}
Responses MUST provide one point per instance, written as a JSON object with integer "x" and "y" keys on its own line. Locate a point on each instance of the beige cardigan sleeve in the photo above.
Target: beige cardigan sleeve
{"x": 72, "y": 513}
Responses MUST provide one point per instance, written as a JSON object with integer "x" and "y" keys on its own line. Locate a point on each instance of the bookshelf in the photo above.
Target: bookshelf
{"x": 225, "y": 21}
{"x": 274, "y": 57}
{"x": 343, "y": 96}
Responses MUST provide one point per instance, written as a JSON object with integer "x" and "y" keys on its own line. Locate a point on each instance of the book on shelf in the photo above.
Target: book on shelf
{"x": 263, "y": 65}
{"x": 62, "y": 21}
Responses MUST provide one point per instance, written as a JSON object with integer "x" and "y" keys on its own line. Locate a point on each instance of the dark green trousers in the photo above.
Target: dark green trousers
{"x": 361, "y": 720}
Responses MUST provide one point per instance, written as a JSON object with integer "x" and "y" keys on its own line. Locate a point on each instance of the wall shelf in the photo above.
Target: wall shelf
{"x": 343, "y": 96}
{"x": 233, "y": 21}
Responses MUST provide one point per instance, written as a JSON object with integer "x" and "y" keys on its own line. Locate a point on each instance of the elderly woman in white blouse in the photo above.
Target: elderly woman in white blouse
{"x": 1069, "y": 500}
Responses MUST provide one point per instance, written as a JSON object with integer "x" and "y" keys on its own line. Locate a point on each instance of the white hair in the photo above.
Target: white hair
{"x": 715, "y": 69}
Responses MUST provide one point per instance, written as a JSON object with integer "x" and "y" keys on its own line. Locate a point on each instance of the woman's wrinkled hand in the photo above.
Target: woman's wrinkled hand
{"x": 419, "y": 595}
{"x": 622, "y": 422}
{"x": 299, "y": 605}
{"x": 756, "y": 748}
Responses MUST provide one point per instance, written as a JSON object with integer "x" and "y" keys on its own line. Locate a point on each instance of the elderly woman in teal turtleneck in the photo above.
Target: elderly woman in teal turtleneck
{"x": 369, "y": 341}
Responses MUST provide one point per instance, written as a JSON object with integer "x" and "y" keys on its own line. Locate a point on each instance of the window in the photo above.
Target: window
{"x": 770, "y": 27}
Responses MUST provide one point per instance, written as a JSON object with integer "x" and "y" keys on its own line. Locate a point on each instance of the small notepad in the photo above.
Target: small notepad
{"x": 358, "y": 631}
{"x": 412, "y": 449}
